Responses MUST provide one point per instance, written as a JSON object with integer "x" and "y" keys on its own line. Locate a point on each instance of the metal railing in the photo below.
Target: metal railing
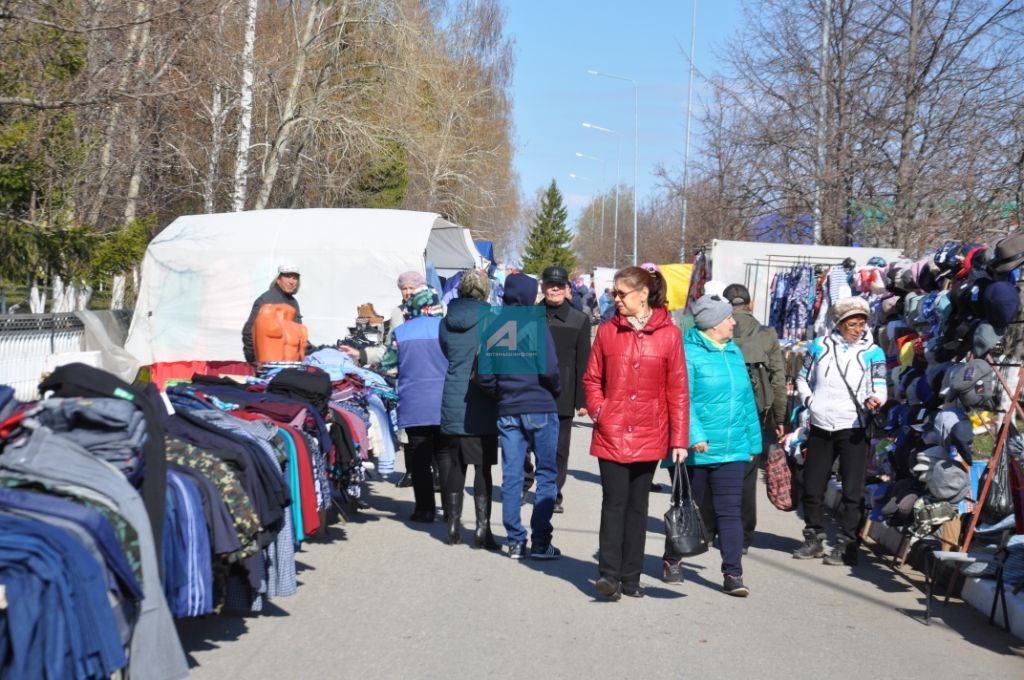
{"x": 26, "y": 343}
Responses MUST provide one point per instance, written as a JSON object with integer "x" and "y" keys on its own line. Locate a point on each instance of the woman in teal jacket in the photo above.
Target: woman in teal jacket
{"x": 724, "y": 432}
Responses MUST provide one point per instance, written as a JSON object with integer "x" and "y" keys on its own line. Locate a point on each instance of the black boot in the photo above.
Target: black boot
{"x": 483, "y": 538}
{"x": 455, "y": 518}
{"x": 813, "y": 546}
{"x": 845, "y": 553}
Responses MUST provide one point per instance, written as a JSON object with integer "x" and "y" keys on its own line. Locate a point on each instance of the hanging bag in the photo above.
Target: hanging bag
{"x": 999, "y": 503}
{"x": 778, "y": 478}
{"x": 685, "y": 534}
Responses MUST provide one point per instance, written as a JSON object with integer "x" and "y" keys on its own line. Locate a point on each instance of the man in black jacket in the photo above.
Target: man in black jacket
{"x": 281, "y": 291}
{"x": 570, "y": 329}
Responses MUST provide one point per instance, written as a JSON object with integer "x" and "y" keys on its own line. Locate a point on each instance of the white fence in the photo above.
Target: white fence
{"x": 26, "y": 343}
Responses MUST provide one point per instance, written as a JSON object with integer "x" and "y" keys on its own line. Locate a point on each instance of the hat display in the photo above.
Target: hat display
{"x": 288, "y": 269}
{"x": 555, "y": 274}
{"x": 1007, "y": 253}
{"x": 973, "y": 383}
{"x": 709, "y": 311}
{"x": 850, "y": 306}
{"x": 961, "y": 436}
{"x": 948, "y": 482}
{"x": 1001, "y": 303}
{"x": 985, "y": 339}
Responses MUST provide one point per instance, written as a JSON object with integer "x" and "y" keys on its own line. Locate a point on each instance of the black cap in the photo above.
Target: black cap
{"x": 737, "y": 294}
{"x": 555, "y": 275}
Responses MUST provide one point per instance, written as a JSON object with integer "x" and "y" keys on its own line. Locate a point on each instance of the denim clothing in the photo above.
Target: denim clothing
{"x": 55, "y": 462}
{"x": 59, "y": 621}
{"x": 539, "y": 432}
{"x": 725, "y": 484}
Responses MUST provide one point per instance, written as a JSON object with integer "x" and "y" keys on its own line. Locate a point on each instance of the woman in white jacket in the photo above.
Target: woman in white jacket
{"x": 841, "y": 383}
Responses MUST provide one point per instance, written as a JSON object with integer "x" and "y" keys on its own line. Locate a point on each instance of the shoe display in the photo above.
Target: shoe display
{"x": 544, "y": 552}
{"x": 632, "y": 590}
{"x": 609, "y": 587}
{"x": 733, "y": 585}
{"x": 672, "y": 572}
{"x": 517, "y": 550}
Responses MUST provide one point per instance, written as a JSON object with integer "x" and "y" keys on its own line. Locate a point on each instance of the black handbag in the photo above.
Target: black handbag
{"x": 685, "y": 533}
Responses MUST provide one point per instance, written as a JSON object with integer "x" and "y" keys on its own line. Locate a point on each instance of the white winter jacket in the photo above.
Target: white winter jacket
{"x": 820, "y": 382}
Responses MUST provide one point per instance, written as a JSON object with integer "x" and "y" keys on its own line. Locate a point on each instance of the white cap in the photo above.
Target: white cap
{"x": 288, "y": 269}
{"x": 713, "y": 287}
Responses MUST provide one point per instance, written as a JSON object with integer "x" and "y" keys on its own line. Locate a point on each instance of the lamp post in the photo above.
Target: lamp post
{"x": 686, "y": 149}
{"x": 618, "y": 167}
{"x": 636, "y": 144}
{"x": 593, "y": 215}
{"x": 604, "y": 180}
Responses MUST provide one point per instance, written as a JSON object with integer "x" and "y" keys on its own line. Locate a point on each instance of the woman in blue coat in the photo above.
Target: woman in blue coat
{"x": 724, "y": 432}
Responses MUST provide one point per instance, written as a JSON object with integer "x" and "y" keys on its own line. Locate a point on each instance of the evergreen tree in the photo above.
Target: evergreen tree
{"x": 550, "y": 238}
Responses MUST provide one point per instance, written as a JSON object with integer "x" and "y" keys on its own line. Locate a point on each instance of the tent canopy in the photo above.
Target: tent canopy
{"x": 202, "y": 273}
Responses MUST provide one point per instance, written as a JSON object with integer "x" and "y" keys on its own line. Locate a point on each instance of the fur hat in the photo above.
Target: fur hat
{"x": 851, "y": 306}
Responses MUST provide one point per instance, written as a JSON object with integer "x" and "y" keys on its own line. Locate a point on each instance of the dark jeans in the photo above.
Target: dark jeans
{"x": 823, "y": 447}
{"x": 748, "y": 509}
{"x": 625, "y": 490}
{"x": 424, "y": 443}
{"x": 725, "y": 484}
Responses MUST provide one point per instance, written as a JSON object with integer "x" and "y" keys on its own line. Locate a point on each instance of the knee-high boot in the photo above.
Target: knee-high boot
{"x": 455, "y": 517}
{"x": 483, "y": 538}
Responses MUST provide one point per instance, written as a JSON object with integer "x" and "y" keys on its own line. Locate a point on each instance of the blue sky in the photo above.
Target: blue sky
{"x": 557, "y": 41}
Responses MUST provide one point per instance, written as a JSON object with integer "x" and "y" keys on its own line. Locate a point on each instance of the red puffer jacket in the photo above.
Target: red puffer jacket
{"x": 637, "y": 390}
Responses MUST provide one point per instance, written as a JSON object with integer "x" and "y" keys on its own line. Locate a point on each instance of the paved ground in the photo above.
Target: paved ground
{"x": 387, "y": 599}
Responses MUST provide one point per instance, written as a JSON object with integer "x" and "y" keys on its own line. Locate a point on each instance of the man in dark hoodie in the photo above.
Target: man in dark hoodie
{"x": 527, "y": 417}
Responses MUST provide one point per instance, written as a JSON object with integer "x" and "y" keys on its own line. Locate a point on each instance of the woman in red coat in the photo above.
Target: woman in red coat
{"x": 637, "y": 396}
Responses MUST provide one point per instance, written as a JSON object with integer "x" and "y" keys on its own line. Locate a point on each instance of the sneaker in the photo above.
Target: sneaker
{"x": 733, "y": 585}
{"x": 672, "y": 572}
{"x": 545, "y": 552}
{"x": 558, "y": 509}
{"x": 632, "y": 590}
{"x": 609, "y": 587}
{"x": 517, "y": 549}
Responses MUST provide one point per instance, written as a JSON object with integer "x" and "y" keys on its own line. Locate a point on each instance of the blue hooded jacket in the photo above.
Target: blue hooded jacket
{"x": 520, "y": 393}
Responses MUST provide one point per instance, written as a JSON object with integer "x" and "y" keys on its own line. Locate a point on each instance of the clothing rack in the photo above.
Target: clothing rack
{"x": 758, "y": 276}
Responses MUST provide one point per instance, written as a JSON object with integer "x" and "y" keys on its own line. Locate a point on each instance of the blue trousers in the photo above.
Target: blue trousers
{"x": 539, "y": 432}
{"x": 725, "y": 483}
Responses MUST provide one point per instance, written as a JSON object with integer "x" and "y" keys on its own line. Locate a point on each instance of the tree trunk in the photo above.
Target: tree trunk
{"x": 245, "y": 107}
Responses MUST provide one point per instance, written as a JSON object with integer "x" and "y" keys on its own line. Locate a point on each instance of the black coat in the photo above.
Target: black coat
{"x": 570, "y": 329}
{"x": 272, "y": 296}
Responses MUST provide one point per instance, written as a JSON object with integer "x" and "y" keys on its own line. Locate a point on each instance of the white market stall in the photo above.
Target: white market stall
{"x": 201, "y": 274}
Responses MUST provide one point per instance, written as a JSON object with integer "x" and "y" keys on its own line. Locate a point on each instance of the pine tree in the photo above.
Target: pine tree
{"x": 549, "y": 237}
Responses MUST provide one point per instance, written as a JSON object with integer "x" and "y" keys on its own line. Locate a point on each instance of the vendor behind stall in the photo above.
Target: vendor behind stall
{"x": 282, "y": 291}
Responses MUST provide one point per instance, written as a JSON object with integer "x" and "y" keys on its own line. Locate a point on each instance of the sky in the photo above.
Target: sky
{"x": 558, "y": 41}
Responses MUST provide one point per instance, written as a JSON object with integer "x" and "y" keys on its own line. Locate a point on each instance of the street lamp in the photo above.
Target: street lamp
{"x": 636, "y": 144}
{"x": 604, "y": 183}
{"x": 618, "y": 167}
{"x": 593, "y": 216}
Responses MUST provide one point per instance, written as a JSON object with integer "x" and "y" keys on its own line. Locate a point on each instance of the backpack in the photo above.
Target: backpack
{"x": 754, "y": 347}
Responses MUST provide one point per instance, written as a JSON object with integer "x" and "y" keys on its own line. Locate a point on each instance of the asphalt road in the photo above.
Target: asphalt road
{"x": 383, "y": 598}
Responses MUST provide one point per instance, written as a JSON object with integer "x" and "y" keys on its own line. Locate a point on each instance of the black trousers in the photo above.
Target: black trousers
{"x": 425, "y": 442}
{"x": 453, "y": 465}
{"x": 748, "y": 507}
{"x": 625, "y": 491}
{"x": 823, "y": 447}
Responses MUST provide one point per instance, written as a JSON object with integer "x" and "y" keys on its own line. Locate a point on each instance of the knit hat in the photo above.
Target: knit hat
{"x": 713, "y": 287}
{"x": 520, "y": 290}
{"x": 1001, "y": 303}
{"x": 850, "y": 306}
{"x": 709, "y": 311}
{"x": 423, "y": 302}
{"x": 411, "y": 279}
{"x": 475, "y": 285}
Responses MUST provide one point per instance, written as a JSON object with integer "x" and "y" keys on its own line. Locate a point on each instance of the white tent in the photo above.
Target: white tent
{"x": 202, "y": 273}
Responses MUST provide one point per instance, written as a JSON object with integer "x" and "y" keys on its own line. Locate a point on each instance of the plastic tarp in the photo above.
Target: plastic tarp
{"x": 486, "y": 249}
{"x": 451, "y": 249}
{"x": 201, "y": 275}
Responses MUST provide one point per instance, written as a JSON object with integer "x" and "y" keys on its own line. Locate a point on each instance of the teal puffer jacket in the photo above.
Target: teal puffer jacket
{"x": 722, "y": 410}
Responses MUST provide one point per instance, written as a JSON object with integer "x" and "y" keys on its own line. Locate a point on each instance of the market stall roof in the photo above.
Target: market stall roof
{"x": 202, "y": 273}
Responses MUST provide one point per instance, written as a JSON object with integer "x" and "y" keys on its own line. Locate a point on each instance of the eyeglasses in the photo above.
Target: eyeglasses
{"x": 622, "y": 293}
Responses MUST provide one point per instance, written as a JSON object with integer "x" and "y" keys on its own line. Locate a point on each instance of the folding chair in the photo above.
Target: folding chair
{"x": 959, "y": 559}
